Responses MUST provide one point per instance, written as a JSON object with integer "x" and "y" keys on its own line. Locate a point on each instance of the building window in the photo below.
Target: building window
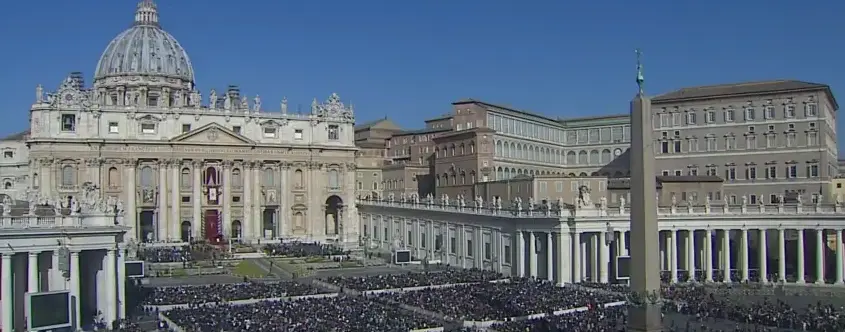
{"x": 692, "y": 172}
{"x": 113, "y": 128}
{"x": 68, "y": 175}
{"x": 789, "y": 111}
{"x": 812, "y": 138}
{"x": 185, "y": 178}
{"x": 334, "y": 179}
{"x": 8, "y": 154}
{"x": 751, "y": 142}
{"x": 269, "y": 132}
{"x": 772, "y": 172}
{"x": 677, "y": 144}
{"x": 334, "y": 132}
{"x": 790, "y": 140}
{"x": 729, "y": 115}
{"x": 811, "y": 110}
{"x": 712, "y": 171}
{"x": 730, "y": 143}
{"x": 664, "y": 147}
{"x": 813, "y": 171}
{"x": 750, "y": 114}
{"x": 186, "y": 199}
{"x": 730, "y": 173}
{"x": 791, "y": 172}
{"x": 148, "y": 128}
{"x": 711, "y": 117}
{"x": 769, "y": 112}
{"x": 771, "y": 140}
{"x": 711, "y": 144}
{"x": 68, "y": 122}
{"x": 297, "y": 134}
{"x": 186, "y": 127}
{"x": 751, "y": 173}
{"x": 237, "y": 179}
{"x": 152, "y": 101}
{"x": 146, "y": 177}
{"x": 691, "y": 118}
{"x": 236, "y": 129}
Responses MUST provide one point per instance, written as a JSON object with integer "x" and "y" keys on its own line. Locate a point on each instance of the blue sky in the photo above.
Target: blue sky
{"x": 409, "y": 59}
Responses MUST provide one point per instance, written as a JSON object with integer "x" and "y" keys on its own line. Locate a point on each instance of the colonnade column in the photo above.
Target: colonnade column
{"x": 161, "y": 217}
{"x": 673, "y": 244}
{"x": 726, "y": 253}
{"x": 32, "y": 275}
{"x": 550, "y": 257}
{"x": 532, "y": 254}
{"x": 743, "y": 248}
{"x": 820, "y": 256}
{"x": 520, "y": 247}
{"x": 781, "y": 255}
{"x": 839, "y": 254}
{"x": 708, "y": 255}
{"x": 564, "y": 261}
{"x": 196, "y": 187}
{"x": 258, "y": 224}
{"x": 690, "y": 239}
{"x": 7, "y": 290}
{"x": 604, "y": 257}
{"x": 801, "y": 273}
{"x": 111, "y": 285}
{"x": 175, "y": 201}
{"x": 121, "y": 283}
{"x": 576, "y": 257}
{"x": 623, "y": 243}
{"x": 131, "y": 212}
{"x": 75, "y": 290}
{"x": 763, "y": 247}
{"x": 247, "y": 229}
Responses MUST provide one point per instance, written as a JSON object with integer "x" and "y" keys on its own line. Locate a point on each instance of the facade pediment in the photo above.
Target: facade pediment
{"x": 213, "y": 134}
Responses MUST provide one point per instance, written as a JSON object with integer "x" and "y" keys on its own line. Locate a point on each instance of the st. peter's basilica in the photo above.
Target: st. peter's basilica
{"x": 185, "y": 164}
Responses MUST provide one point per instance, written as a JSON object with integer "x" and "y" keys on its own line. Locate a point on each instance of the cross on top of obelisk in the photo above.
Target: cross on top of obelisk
{"x": 640, "y": 78}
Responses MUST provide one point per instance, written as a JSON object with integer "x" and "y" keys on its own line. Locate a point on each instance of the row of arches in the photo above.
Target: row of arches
{"x": 505, "y": 173}
{"x": 530, "y": 152}
{"x": 147, "y": 177}
{"x": 460, "y": 178}
{"x": 453, "y": 149}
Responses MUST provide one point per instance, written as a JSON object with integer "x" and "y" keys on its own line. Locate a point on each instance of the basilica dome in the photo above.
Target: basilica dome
{"x": 145, "y": 49}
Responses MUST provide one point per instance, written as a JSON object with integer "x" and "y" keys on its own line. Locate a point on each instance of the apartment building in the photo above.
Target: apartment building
{"x": 14, "y": 165}
{"x": 766, "y": 140}
{"x": 371, "y": 139}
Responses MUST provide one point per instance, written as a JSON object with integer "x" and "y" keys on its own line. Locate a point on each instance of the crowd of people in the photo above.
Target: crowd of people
{"x": 218, "y": 293}
{"x": 487, "y": 301}
{"x": 342, "y": 313}
{"x": 414, "y": 279}
{"x": 179, "y": 254}
{"x": 304, "y": 249}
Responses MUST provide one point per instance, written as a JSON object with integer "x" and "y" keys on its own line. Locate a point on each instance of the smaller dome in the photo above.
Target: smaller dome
{"x": 145, "y": 49}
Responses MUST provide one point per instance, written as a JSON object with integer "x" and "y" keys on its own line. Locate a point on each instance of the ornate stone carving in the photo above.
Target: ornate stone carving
{"x": 256, "y": 103}
{"x": 212, "y": 99}
{"x": 285, "y": 105}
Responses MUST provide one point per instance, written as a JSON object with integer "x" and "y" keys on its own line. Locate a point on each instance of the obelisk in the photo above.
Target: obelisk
{"x": 644, "y": 302}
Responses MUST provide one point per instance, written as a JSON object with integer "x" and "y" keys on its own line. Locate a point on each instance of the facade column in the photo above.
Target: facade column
{"x": 820, "y": 256}
{"x": 75, "y": 290}
{"x": 8, "y": 288}
{"x": 227, "y": 199}
{"x": 594, "y": 257}
{"x": 623, "y": 243}
{"x": 121, "y": 283}
{"x": 196, "y": 197}
{"x": 604, "y": 259}
{"x": 532, "y": 254}
{"x": 161, "y": 218}
{"x": 839, "y": 256}
{"x": 743, "y": 248}
{"x": 576, "y": 257}
{"x": 564, "y": 260}
{"x": 111, "y": 287}
{"x": 175, "y": 230}
{"x": 257, "y": 217}
{"x": 781, "y": 254}
{"x": 520, "y": 248}
{"x": 726, "y": 252}
{"x": 32, "y": 275}
{"x": 801, "y": 273}
{"x": 673, "y": 250}
{"x": 708, "y": 255}
{"x": 764, "y": 256}
{"x": 131, "y": 213}
{"x": 691, "y": 254}
{"x": 550, "y": 257}
{"x": 247, "y": 229}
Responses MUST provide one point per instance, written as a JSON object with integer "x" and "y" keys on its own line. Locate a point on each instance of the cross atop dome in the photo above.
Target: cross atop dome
{"x": 147, "y": 13}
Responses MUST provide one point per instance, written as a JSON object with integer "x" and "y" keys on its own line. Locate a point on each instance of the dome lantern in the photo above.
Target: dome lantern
{"x": 147, "y": 13}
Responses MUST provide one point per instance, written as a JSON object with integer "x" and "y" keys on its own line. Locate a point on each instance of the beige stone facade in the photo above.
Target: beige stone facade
{"x": 184, "y": 168}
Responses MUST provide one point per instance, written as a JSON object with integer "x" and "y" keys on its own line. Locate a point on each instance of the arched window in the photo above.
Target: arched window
{"x": 334, "y": 179}
{"x": 113, "y": 177}
{"x": 185, "y": 178}
{"x": 298, "y": 179}
{"x": 269, "y": 178}
{"x": 605, "y": 156}
{"x": 7, "y": 185}
{"x": 147, "y": 179}
{"x": 68, "y": 175}
{"x": 570, "y": 158}
{"x": 237, "y": 180}
{"x": 582, "y": 158}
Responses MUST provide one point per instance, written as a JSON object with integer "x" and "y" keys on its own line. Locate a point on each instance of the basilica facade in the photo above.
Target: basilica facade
{"x": 185, "y": 166}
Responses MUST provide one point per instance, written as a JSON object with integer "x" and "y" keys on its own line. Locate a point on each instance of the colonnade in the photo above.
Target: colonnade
{"x": 95, "y": 278}
{"x": 712, "y": 255}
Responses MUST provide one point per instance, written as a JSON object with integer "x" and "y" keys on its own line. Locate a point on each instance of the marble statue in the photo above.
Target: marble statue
{"x": 212, "y": 99}
{"x": 244, "y": 104}
{"x": 603, "y": 202}
{"x": 518, "y": 204}
{"x": 819, "y": 199}
{"x": 838, "y": 199}
{"x": 725, "y": 200}
{"x": 531, "y": 203}
{"x": 744, "y": 200}
{"x": 193, "y": 96}
{"x": 227, "y": 102}
{"x": 74, "y": 205}
{"x": 127, "y": 98}
{"x": 32, "y": 207}
{"x": 403, "y": 197}
{"x": 285, "y": 105}
{"x": 799, "y": 199}
{"x": 498, "y": 203}
{"x": 706, "y": 200}
{"x": 119, "y": 207}
{"x": 760, "y": 200}
{"x": 445, "y": 199}
{"x": 781, "y": 199}
{"x": 674, "y": 200}
{"x": 560, "y": 203}
{"x": 7, "y": 206}
{"x": 584, "y": 196}
{"x": 57, "y": 205}
{"x": 622, "y": 201}
{"x": 256, "y": 104}
{"x": 39, "y": 93}
{"x": 315, "y": 107}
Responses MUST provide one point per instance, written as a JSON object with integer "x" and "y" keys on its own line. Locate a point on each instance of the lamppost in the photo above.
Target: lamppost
{"x": 609, "y": 240}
